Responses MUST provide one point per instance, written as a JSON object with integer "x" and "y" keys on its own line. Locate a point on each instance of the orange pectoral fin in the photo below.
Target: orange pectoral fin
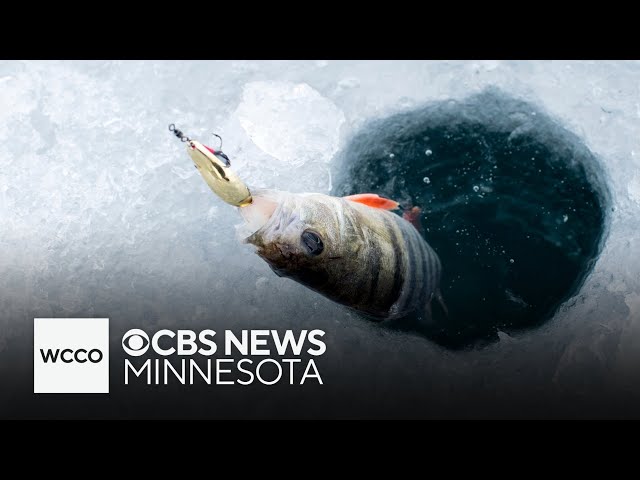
{"x": 373, "y": 200}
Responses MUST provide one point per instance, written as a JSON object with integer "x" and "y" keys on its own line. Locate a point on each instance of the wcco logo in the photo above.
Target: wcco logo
{"x": 81, "y": 355}
{"x": 71, "y": 355}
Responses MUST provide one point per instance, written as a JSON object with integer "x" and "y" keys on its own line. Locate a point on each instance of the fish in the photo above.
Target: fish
{"x": 353, "y": 250}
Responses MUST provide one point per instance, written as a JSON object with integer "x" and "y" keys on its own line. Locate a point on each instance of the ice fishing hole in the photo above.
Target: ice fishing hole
{"x": 513, "y": 203}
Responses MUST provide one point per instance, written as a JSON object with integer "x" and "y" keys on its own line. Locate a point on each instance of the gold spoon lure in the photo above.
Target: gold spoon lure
{"x": 215, "y": 168}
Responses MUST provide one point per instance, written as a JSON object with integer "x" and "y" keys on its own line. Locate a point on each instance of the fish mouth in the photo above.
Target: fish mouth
{"x": 280, "y": 257}
{"x": 260, "y": 216}
{"x": 269, "y": 217}
{"x": 276, "y": 255}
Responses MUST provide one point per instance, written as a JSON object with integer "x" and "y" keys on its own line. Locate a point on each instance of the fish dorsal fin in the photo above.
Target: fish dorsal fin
{"x": 373, "y": 200}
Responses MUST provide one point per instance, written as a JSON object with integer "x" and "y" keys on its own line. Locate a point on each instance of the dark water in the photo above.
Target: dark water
{"x": 513, "y": 204}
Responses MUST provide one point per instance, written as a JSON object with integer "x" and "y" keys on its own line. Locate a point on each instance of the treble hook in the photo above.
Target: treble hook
{"x": 220, "y": 153}
{"x": 216, "y": 135}
{"x": 178, "y": 133}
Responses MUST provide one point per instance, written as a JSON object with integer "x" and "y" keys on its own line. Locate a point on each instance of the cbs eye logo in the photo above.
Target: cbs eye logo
{"x": 135, "y": 342}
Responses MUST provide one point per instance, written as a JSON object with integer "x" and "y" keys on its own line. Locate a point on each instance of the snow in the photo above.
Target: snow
{"x": 103, "y": 213}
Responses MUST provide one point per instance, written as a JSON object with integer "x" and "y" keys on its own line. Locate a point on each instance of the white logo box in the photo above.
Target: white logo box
{"x": 76, "y": 355}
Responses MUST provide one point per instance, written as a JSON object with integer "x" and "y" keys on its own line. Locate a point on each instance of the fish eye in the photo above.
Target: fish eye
{"x": 312, "y": 241}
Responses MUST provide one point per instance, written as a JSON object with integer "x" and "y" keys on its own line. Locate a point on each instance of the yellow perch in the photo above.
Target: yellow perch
{"x": 353, "y": 249}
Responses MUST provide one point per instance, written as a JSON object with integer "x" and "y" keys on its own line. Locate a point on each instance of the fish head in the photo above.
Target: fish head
{"x": 302, "y": 237}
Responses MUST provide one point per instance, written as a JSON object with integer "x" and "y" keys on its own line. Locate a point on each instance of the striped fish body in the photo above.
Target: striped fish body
{"x": 371, "y": 260}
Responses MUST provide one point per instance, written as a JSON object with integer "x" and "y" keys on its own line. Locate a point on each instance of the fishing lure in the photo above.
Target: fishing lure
{"x": 215, "y": 168}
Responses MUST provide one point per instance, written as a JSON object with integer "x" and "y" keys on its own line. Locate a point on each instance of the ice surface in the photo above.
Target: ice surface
{"x": 103, "y": 213}
{"x": 291, "y": 122}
